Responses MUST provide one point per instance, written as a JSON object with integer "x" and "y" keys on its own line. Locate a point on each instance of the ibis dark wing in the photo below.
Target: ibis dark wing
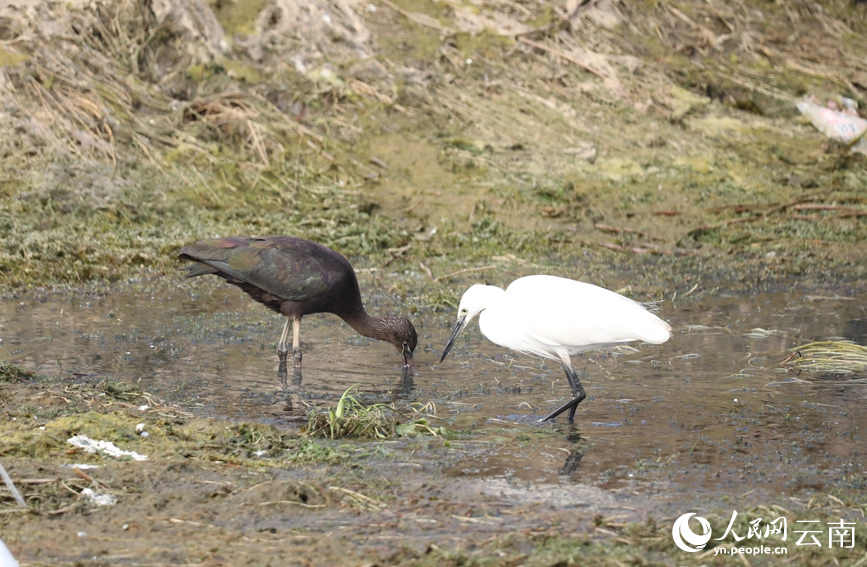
{"x": 290, "y": 268}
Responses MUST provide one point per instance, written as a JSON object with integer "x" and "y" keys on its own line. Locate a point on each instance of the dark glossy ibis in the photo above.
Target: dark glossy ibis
{"x": 297, "y": 277}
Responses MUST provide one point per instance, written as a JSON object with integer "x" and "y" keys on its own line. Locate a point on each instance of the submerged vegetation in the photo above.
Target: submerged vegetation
{"x": 831, "y": 357}
{"x": 12, "y": 373}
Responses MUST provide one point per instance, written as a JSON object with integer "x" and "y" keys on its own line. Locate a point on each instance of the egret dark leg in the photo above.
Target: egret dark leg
{"x": 578, "y": 395}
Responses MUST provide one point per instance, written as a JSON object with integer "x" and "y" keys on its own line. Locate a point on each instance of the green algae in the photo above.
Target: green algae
{"x": 352, "y": 419}
{"x": 831, "y": 357}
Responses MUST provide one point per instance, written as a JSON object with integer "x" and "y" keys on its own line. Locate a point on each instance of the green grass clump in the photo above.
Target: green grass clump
{"x": 351, "y": 418}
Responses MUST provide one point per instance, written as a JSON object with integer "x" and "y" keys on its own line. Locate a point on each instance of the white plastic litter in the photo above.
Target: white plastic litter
{"x": 105, "y": 448}
{"x": 846, "y": 127}
{"x": 99, "y": 499}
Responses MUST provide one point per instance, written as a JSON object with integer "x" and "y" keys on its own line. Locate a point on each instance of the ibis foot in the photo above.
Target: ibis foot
{"x": 296, "y": 354}
{"x": 283, "y": 376}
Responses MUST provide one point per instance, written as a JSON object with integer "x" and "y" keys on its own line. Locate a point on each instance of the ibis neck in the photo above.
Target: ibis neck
{"x": 364, "y": 324}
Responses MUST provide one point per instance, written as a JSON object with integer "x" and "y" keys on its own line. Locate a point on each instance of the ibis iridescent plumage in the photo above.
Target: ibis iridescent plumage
{"x": 297, "y": 277}
{"x": 554, "y": 318}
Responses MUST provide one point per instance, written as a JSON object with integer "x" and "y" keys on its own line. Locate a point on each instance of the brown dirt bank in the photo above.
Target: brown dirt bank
{"x": 425, "y": 132}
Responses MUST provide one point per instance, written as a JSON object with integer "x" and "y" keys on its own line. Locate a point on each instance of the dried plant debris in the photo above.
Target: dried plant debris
{"x": 643, "y": 132}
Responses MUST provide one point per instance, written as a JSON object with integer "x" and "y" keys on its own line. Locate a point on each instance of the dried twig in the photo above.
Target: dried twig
{"x": 362, "y": 501}
{"x": 396, "y": 253}
{"x": 711, "y": 37}
{"x": 426, "y": 270}
{"x": 626, "y": 230}
{"x": 709, "y": 227}
{"x": 420, "y": 19}
{"x": 562, "y": 55}
{"x": 647, "y": 248}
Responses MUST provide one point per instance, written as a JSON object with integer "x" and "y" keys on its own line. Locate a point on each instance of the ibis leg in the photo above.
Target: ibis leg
{"x": 578, "y": 396}
{"x": 296, "y": 343}
{"x": 282, "y": 349}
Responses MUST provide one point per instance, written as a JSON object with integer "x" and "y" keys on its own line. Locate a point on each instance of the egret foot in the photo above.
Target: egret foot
{"x": 571, "y": 405}
{"x": 578, "y": 395}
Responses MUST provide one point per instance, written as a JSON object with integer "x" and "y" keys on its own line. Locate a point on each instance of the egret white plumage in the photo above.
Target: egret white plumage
{"x": 554, "y": 318}
{"x": 6, "y": 558}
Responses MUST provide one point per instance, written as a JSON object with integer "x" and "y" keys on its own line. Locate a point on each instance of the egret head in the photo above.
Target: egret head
{"x": 474, "y": 301}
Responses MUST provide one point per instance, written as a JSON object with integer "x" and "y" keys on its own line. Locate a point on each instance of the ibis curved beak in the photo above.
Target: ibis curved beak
{"x": 408, "y": 362}
{"x": 459, "y": 326}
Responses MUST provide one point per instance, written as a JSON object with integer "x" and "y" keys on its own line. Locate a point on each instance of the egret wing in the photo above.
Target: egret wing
{"x": 560, "y": 312}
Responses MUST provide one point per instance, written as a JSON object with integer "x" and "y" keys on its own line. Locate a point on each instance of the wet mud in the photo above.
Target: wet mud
{"x": 713, "y": 418}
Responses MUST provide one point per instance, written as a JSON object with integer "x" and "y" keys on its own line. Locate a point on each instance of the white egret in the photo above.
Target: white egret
{"x": 554, "y": 318}
{"x": 6, "y": 558}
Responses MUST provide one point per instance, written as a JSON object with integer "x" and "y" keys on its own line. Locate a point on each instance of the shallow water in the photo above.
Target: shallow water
{"x": 712, "y": 410}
